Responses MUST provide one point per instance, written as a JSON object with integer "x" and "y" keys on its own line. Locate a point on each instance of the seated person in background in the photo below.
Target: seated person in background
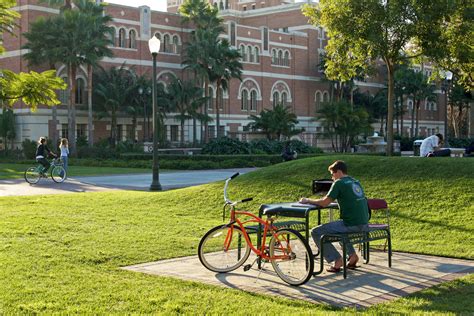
{"x": 470, "y": 150}
{"x": 288, "y": 154}
{"x": 354, "y": 214}
{"x": 41, "y": 153}
{"x": 430, "y": 147}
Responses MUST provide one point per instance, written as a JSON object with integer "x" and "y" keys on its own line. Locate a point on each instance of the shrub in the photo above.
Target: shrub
{"x": 226, "y": 146}
{"x": 29, "y": 148}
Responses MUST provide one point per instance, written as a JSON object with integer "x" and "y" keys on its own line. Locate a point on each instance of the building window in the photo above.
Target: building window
{"x": 209, "y": 100}
{"x": 132, "y": 39}
{"x": 284, "y": 98}
{"x": 174, "y": 131}
{"x": 287, "y": 58}
{"x": 64, "y": 131}
{"x": 122, "y": 38}
{"x": 221, "y": 98}
{"x": 265, "y": 39}
{"x": 111, "y": 36}
{"x": 63, "y": 95}
{"x": 211, "y": 131}
{"x": 243, "y": 53}
{"x": 80, "y": 91}
{"x": 318, "y": 98}
{"x": 232, "y": 34}
{"x": 276, "y": 99}
{"x": 119, "y": 133}
{"x": 244, "y": 100}
{"x": 175, "y": 44}
{"x": 249, "y": 50}
{"x": 81, "y": 130}
{"x": 257, "y": 57}
{"x": 130, "y": 133}
{"x": 166, "y": 44}
{"x": 253, "y": 6}
{"x": 253, "y": 100}
{"x": 274, "y": 56}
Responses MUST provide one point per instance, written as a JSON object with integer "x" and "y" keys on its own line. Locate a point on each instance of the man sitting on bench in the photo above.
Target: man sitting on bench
{"x": 354, "y": 214}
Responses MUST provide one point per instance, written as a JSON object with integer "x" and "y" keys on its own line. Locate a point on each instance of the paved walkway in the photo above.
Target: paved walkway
{"x": 368, "y": 285}
{"x": 168, "y": 180}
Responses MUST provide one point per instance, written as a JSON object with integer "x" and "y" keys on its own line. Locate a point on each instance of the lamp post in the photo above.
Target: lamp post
{"x": 154, "y": 45}
{"x": 140, "y": 92}
{"x": 446, "y": 87}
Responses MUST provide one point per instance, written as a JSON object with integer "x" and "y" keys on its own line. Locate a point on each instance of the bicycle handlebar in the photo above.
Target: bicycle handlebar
{"x": 226, "y": 199}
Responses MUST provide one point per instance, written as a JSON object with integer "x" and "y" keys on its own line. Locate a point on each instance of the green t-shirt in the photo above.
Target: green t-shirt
{"x": 351, "y": 199}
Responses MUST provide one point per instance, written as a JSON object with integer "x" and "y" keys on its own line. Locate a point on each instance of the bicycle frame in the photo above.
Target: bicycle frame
{"x": 267, "y": 227}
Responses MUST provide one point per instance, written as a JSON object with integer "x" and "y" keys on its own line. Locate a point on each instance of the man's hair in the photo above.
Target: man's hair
{"x": 41, "y": 140}
{"x": 338, "y": 165}
{"x": 440, "y": 136}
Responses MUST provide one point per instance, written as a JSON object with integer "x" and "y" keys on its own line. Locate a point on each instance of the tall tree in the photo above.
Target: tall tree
{"x": 275, "y": 123}
{"x": 225, "y": 66}
{"x": 362, "y": 32}
{"x": 184, "y": 97}
{"x": 204, "y": 41}
{"x": 112, "y": 91}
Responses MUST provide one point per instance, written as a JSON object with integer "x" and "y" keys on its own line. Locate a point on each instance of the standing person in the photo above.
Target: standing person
{"x": 288, "y": 153}
{"x": 42, "y": 152}
{"x": 430, "y": 147}
{"x": 64, "y": 147}
{"x": 354, "y": 214}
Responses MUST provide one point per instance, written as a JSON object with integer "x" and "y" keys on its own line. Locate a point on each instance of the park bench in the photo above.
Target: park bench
{"x": 375, "y": 232}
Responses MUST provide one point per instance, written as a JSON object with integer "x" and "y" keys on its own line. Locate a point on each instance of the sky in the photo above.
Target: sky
{"x": 157, "y": 5}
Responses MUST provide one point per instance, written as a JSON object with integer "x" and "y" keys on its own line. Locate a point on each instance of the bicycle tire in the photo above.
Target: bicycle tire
{"x": 297, "y": 266}
{"x": 58, "y": 174}
{"x": 32, "y": 175}
{"x": 212, "y": 252}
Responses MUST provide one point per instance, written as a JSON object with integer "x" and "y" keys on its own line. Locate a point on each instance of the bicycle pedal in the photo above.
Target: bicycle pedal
{"x": 247, "y": 267}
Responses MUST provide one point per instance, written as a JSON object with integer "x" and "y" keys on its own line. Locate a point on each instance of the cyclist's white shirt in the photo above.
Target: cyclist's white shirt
{"x": 38, "y": 157}
{"x": 428, "y": 145}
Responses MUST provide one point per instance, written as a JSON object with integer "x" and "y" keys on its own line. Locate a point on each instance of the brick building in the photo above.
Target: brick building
{"x": 280, "y": 58}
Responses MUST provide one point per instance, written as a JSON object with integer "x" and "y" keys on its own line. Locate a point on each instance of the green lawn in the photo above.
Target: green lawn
{"x": 15, "y": 171}
{"x": 62, "y": 253}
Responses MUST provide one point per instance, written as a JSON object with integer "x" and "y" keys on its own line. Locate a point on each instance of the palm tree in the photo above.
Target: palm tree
{"x": 64, "y": 5}
{"x": 75, "y": 37}
{"x": 275, "y": 123}
{"x": 112, "y": 91}
{"x": 98, "y": 41}
{"x": 184, "y": 97}
{"x": 203, "y": 43}
{"x": 225, "y": 66}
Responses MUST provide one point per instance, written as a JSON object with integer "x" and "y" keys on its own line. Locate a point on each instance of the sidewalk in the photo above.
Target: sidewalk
{"x": 168, "y": 180}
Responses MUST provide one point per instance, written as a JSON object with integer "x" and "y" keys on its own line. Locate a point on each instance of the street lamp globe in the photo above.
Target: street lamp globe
{"x": 154, "y": 45}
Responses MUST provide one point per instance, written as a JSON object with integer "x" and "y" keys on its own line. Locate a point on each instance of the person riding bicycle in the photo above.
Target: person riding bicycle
{"x": 41, "y": 153}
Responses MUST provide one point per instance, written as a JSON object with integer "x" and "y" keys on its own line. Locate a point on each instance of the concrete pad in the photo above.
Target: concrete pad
{"x": 370, "y": 284}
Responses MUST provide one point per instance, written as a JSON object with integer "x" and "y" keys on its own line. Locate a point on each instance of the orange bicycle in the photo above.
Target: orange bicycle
{"x": 226, "y": 247}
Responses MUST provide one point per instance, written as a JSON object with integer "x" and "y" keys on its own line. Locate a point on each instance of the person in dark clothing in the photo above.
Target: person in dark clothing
{"x": 288, "y": 153}
{"x": 470, "y": 150}
{"x": 42, "y": 152}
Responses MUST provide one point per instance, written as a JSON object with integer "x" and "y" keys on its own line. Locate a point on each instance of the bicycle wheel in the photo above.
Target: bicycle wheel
{"x": 223, "y": 249}
{"x": 58, "y": 174}
{"x": 291, "y": 257}
{"x": 32, "y": 175}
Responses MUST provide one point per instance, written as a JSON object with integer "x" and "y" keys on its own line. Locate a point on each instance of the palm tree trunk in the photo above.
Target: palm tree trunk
{"x": 71, "y": 113}
{"x": 206, "y": 124}
{"x": 182, "y": 133}
{"x": 412, "y": 134}
{"x": 90, "y": 127}
{"x": 55, "y": 135}
{"x": 401, "y": 116}
{"x": 218, "y": 84}
{"x": 390, "y": 73}
{"x": 417, "y": 117}
{"x": 113, "y": 129}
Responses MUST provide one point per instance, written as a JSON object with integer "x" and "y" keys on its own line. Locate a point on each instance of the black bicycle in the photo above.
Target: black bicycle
{"x": 57, "y": 172}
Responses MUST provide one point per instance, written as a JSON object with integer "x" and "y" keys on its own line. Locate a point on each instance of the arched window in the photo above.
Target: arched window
{"x": 158, "y": 36}
{"x": 111, "y": 36}
{"x": 211, "y": 97}
{"x": 132, "y": 39}
{"x": 221, "y": 5}
{"x": 284, "y": 98}
{"x": 64, "y": 94}
{"x": 253, "y": 100}
{"x": 166, "y": 43}
{"x": 280, "y": 57}
{"x": 318, "y": 98}
{"x": 80, "y": 91}
{"x": 233, "y": 38}
{"x": 257, "y": 57}
{"x": 250, "y": 52}
{"x": 122, "y": 38}
{"x": 287, "y": 58}
{"x": 242, "y": 52}
{"x": 221, "y": 98}
{"x": 274, "y": 56}
{"x": 326, "y": 96}
{"x": 244, "y": 100}
{"x": 276, "y": 99}
{"x": 175, "y": 44}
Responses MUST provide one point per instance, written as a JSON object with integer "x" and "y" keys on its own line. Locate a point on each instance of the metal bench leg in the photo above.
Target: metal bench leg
{"x": 389, "y": 242}
{"x": 321, "y": 258}
{"x": 344, "y": 259}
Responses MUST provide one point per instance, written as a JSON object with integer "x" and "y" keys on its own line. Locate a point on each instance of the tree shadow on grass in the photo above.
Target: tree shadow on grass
{"x": 462, "y": 229}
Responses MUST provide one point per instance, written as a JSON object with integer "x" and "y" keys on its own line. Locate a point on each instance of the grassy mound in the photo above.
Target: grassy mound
{"x": 61, "y": 253}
